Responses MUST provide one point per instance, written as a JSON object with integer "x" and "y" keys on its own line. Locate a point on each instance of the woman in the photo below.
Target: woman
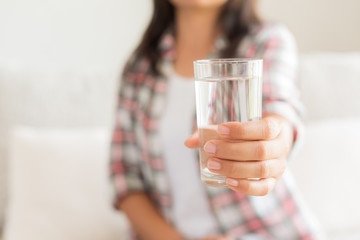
{"x": 156, "y": 178}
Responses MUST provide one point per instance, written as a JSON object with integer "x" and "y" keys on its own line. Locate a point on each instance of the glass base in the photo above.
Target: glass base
{"x": 212, "y": 179}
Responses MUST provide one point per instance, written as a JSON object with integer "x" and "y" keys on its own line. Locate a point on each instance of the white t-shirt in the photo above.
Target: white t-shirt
{"x": 192, "y": 214}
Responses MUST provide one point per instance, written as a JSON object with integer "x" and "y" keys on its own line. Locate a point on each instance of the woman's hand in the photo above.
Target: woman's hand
{"x": 216, "y": 238}
{"x": 249, "y": 150}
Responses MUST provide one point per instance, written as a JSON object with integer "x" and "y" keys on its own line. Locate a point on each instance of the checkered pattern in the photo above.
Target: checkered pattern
{"x": 137, "y": 163}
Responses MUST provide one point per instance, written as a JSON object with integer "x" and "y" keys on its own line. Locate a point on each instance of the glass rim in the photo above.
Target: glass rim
{"x": 228, "y": 60}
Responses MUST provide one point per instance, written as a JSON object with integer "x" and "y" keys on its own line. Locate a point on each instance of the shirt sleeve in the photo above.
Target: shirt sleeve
{"x": 125, "y": 167}
{"x": 281, "y": 95}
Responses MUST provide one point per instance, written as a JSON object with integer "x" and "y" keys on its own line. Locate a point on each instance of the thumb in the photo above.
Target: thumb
{"x": 193, "y": 140}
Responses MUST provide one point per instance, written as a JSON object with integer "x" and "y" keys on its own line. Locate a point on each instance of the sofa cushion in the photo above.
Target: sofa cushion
{"x": 49, "y": 97}
{"x": 59, "y": 186}
{"x": 327, "y": 172}
{"x": 330, "y": 84}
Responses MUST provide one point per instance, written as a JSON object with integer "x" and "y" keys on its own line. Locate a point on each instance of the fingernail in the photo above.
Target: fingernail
{"x": 223, "y": 130}
{"x": 213, "y": 165}
{"x": 210, "y": 148}
{"x": 232, "y": 182}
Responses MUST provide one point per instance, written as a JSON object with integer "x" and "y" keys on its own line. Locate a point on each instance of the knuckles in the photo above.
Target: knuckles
{"x": 283, "y": 166}
{"x": 266, "y": 189}
{"x": 264, "y": 169}
{"x": 246, "y": 187}
{"x": 261, "y": 150}
{"x": 240, "y": 131}
{"x": 271, "y": 128}
{"x": 249, "y": 188}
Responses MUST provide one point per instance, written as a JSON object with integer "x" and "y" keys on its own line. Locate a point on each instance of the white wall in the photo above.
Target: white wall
{"x": 70, "y": 33}
{"x": 318, "y": 25}
{"x": 100, "y": 34}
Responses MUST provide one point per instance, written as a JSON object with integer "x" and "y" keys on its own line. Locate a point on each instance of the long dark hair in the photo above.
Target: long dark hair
{"x": 235, "y": 19}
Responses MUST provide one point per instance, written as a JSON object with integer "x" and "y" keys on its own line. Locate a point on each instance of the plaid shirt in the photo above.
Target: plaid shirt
{"x": 136, "y": 158}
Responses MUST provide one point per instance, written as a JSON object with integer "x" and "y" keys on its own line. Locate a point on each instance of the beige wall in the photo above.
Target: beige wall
{"x": 319, "y": 25}
{"x": 86, "y": 35}
{"x": 102, "y": 33}
{"x": 76, "y": 34}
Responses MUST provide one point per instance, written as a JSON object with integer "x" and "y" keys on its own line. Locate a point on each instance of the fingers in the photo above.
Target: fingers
{"x": 252, "y": 187}
{"x": 255, "y": 169}
{"x": 265, "y": 129}
{"x": 247, "y": 150}
{"x": 217, "y": 238}
{"x": 193, "y": 140}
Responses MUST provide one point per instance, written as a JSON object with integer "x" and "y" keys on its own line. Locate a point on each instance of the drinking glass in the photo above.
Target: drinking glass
{"x": 227, "y": 90}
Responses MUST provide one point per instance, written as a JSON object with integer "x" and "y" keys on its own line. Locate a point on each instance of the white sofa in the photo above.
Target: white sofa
{"x": 327, "y": 167}
{"x": 55, "y": 129}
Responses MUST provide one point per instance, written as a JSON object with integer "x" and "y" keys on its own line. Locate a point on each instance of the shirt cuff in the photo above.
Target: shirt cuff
{"x": 125, "y": 184}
